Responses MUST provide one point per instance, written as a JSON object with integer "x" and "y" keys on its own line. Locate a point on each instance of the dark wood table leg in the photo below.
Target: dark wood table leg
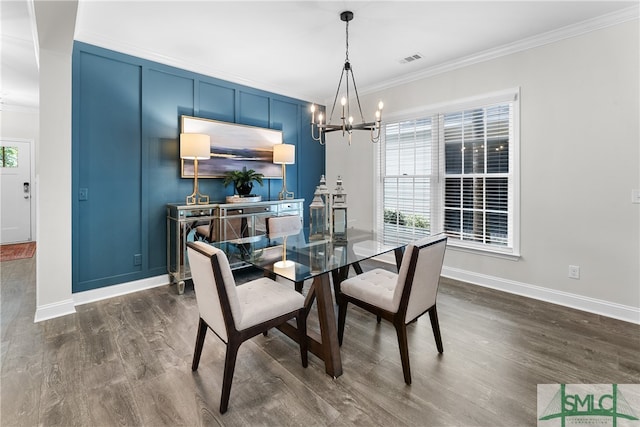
{"x": 328, "y": 328}
{"x": 338, "y": 275}
{"x": 399, "y": 253}
{"x": 324, "y": 345}
{"x": 357, "y": 268}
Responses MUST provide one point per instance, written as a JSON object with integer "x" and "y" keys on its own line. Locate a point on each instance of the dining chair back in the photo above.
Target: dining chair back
{"x": 238, "y": 313}
{"x": 399, "y": 297}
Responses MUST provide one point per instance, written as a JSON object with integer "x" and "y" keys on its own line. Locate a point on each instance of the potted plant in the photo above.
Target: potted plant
{"x": 243, "y": 180}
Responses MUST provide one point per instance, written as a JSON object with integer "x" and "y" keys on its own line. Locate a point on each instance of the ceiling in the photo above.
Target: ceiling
{"x": 297, "y": 48}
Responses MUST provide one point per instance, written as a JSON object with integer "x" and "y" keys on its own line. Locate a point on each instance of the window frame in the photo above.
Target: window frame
{"x": 437, "y": 209}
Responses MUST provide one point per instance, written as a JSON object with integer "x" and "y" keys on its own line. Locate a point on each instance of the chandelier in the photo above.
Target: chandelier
{"x": 346, "y": 124}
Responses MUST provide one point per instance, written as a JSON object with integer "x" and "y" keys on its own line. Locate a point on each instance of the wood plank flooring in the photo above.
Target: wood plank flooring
{"x": 127, "y": 361}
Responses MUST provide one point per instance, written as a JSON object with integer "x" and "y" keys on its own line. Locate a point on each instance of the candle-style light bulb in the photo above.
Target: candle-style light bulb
{"x": 320, "y": 118}
{"x": 313, "y": 113}
{"x": 380, "y": 105}
{"x": 350, "y": 120}
{"x": 343, "y": 101}
{"x": 378, "y": 115}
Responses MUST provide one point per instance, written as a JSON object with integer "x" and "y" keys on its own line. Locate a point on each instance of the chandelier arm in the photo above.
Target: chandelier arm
{"x": 336, "y": 97}
{"x": 346, "y": 117}
{"x": 355, "y": 88}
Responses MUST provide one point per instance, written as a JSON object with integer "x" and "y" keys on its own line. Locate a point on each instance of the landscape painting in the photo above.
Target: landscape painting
{"x": 233, "y": 146}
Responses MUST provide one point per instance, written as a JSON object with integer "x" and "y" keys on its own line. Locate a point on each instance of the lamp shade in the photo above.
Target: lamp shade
{"x": 195, "y": 146}
{"x": 284, "y": 154}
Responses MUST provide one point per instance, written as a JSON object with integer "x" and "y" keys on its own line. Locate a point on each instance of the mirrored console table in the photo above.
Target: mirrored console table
{"x": 217, "y": 222}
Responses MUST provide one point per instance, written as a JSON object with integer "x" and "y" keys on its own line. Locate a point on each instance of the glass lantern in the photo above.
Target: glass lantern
{"x": 318, "y": 220}
{"x": 326, "y": 198}
{"x": 339, "y": 213}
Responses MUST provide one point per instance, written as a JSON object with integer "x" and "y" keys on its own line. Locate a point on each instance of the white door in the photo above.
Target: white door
{"x": 15, "y": 178}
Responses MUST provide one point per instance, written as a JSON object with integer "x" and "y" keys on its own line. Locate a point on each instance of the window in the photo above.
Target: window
{"x": 453, "y": 171}
{"x": 407, "y": 180}
{"x": 8, "y": 157}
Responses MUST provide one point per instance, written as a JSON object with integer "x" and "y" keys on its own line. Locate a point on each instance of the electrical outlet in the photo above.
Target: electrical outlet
{"x": 574, "y": 271}
{"x": 83, "y": 194}
{"x": 635, "y": 196}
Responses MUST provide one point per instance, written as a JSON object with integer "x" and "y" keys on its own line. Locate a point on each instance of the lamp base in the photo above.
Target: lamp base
{"x": 285, "y": 195}
{"x": 197, "y": 199}
{"x": 284, "y": 264}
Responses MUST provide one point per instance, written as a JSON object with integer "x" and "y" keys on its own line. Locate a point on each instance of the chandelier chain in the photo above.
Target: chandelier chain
{"x": 347, "y": 43}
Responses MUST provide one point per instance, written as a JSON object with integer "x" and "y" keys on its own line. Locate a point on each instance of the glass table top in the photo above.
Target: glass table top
{"x": 297, "y": 258}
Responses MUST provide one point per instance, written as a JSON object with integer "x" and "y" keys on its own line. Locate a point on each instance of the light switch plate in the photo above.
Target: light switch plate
{"x": 635, "y": 196}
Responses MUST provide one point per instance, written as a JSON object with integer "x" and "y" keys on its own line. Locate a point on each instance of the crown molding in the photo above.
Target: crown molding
{"x": 594, "y": 24}
{"x": 7, "y": 105}
{"x": 574, "y": 30}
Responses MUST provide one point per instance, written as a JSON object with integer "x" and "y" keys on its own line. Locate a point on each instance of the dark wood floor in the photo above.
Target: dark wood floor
{"x": 127, "y": 361}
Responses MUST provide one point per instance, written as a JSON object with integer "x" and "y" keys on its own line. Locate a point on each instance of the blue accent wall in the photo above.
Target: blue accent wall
{"x": 126, "y": 167}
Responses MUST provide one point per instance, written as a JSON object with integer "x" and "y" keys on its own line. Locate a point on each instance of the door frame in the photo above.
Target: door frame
{"x": 32, "y": 178}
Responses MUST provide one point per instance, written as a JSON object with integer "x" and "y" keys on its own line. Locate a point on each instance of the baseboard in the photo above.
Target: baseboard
{"x": 579, "y": 302}
{"x": 50, "y": 311}
{"x": 107, "y": 292}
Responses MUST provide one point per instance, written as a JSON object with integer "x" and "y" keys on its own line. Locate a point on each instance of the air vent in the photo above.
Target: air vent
{"x": 411, "y": 58}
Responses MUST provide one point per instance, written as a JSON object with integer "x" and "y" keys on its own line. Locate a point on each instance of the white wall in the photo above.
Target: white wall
{"x": 55, "y": 21}
{"x": 580, "y": 151}
{"x": 19, "y": 124}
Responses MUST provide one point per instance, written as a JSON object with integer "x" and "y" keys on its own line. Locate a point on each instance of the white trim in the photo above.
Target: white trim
{"x": 580, "y": 28}
{"x": 34, "y": 30}
{"x": 107, "y": 292}
{"x": 57, "y": 309}
{"x": 503, "y": 95}
{"x": 553, "y": 36}
{"x": 63, "y": 308}
{"x": 7, "y": 105}
{"x": 566, "y": 299}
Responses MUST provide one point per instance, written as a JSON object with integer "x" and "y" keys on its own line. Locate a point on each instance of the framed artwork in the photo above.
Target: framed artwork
{"x": 233, "y": 146}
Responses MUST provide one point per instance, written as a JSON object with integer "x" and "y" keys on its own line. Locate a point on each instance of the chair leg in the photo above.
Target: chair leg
{"x": 301, "y": 320}
{"x": 299, "y": 286}
{"x": 342, "y": 316}
{"x": 202, "y": 332}
{"x": 401, "y": 330}
{"x": 433, "y": 315}
{"x": 227, "y": 379}
{"x": 378, "y": 318}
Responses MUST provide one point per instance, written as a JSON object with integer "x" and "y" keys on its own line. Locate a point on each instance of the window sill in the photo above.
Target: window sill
{"x": 468, "y": 247}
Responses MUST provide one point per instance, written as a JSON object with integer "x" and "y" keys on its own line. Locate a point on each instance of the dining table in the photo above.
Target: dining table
{"x": 325, "y": 262}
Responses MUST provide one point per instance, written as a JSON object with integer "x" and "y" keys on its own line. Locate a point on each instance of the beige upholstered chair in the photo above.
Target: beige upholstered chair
{"x": 400, "y": 298}
{"x": 237, "y": 313}
{"x": 285, "y": 227}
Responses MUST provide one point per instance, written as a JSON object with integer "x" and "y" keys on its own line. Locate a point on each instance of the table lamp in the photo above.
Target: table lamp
{"x": 284, "y": 154}
{"x": 195, "y": 146}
